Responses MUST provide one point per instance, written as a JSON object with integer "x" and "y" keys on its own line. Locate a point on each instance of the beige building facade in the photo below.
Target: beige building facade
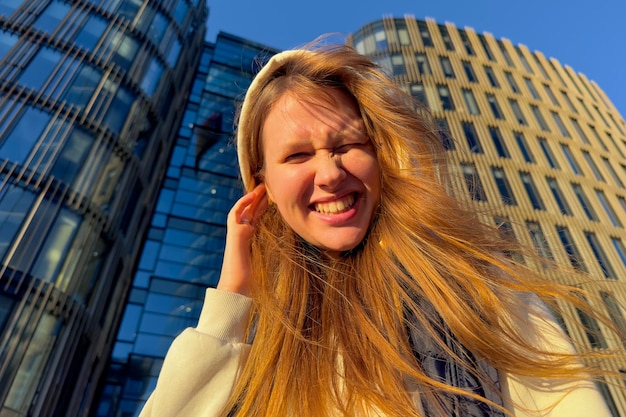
{"x": 538, "y": 148}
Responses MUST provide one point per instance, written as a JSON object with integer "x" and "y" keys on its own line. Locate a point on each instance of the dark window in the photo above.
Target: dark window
{"x": 418, "y": 93}
{"x": 523, "y": 60}
{"x": 531, "y": 88}
{"x": 584, "y": 202}
{"x": 570, "y": 159}
{"x": 397, "y": 64}
{"x": 15, "y": 203}
{"x": 579, "y": 131}
{"x": 539, "y": 118}
{"x": 473, "y": 183}
{"x": 469, "y": 72}
{"x": 422, "y": 63}
{"x": 568, "y": 102}
{"x": 570, "y": 248}
{"x": 616, "y": 179}
{"x": 592, "y": 165}
{"x": 547, "y": 152}
{"x": 473, "y": 142}
{"x": 503, "y": 186}
{"x": 619, "y": 248}
{"x": 19, "y": 142}
{"x": 564, "y": 207}
{"x": 598, "y": 252}
{"x": 494, "y": 106}
{"x": 444, "y": 134}
{"x": 560, "y": 125}
{"x": 523, "y": 147}
{"x": 512, "y": 82}
{"x": 615, "y": 312}
{"x": 539, "y": 239}
{"x": 52, "y": 16}
{"x": 550, "y": 94}
{"x": 445, "y": 36}
{"x": 466, "y": 42}
{"x": 608, "y": 208}
{"x": 491, "y": 76}
{"x": 444, "y": 96}
{"x": 486, "y": 48}
{"x": 498, "y": 142}
{"x": 592, "y": 330}
{"x": 517, "y": 111}
{"x": 424, "y": 33}
{"x": 531, "y": 190}
{"x": 505, "y": 53}
{"x": 541, "y": 68}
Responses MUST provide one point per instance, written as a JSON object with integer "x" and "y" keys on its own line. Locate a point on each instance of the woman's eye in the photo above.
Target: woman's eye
{"x": 298, "y": 156}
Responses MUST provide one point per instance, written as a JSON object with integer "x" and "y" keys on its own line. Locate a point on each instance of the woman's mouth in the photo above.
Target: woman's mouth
{"x": 337, "y": 206}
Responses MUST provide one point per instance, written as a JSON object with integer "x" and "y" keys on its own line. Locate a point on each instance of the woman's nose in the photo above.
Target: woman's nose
{"x": 330, "y": 171}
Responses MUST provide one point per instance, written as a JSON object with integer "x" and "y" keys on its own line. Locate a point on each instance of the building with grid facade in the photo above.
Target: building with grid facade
{"x": 535, "y": 144}
{"x": 91, "y": 96}
{"x": 183, "y": 252}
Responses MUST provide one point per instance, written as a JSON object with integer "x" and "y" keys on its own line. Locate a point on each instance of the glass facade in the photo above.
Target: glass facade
{"x": 88, "y": 99}
{"x": 182, "y": 254}
{"x": 543, "y": 119}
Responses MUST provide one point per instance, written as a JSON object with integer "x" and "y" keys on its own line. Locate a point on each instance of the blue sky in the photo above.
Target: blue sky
{"x": 589, "y": 36}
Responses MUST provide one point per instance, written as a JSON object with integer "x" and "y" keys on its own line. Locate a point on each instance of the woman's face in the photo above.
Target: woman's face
{"x": 320, "y": 170}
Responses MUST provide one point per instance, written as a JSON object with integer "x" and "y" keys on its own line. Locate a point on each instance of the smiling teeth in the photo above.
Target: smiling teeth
{"x": 335, "y": 207}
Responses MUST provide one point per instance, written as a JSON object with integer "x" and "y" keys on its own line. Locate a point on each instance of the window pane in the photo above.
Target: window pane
{"x": 22, "y": 138}
{"x": 15, "y": 203}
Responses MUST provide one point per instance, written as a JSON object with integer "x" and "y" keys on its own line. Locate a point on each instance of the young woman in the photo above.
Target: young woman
{"x": 353, "y": 283}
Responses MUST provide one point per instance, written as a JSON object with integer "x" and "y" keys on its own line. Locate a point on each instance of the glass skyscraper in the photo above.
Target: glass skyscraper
{"x": 183, "y": 252}
{"x": 91, "y": 97}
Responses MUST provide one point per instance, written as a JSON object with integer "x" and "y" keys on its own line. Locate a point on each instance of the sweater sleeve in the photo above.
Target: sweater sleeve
{"x": 202, "y": 363}
{"x": 537, "y": 397}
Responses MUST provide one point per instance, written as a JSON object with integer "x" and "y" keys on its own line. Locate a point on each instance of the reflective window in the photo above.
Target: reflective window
{"x": 473, "y": 142}
{"x": 31, "y": 367}
{"x": 444, "y": 134}
{"x": 15, "y": 203}
{"x": 540, "y": 66}
{"x": 598, "y": 138}
{"x": 564, "y": 207}
{"x": 610, "y": 137}
{"x": 504, "y": 187}
{"x": 7, "y": 40}
{"x": 72, "y": 156}
{"x": 40, "y": 68}
{"x": 157, "y": 28}
{"x": 584, "y": 202}
{"x": 568, "y": 102}
{"x": 397, "y": 63}
{"x": 446, "y": 67}
{"x": 52, "y": 16}
{"x": 119, "y": 108}
{"x": 403, "y": 35}
{"x": 129, "y": 8}
{"x": 531, "y": 191}
{"x": 83, "y": 86}
{"x": 547, "y": 152}
{"x": 599, "y": 254}
{"x": 539, "y": 239}
{"x": 523, "y": 147}
{"x": 21, "y": 139}
{"x": 498, "y": 142}
{"x": 380, "y": 39}
{"x": 619, "y": 248}
{"x": 152, "y": 77}
{"x": 91, "y": 32}
{"x": 615, "y": 311}
{"x": 124, "y": 47}
{"x": 573, "y": 254}
{"x": 473, "y": 182}
{"x": 7, "y": 7}
{"x": 470, "y": 101}
{"x": 172, "y": 57}
{"x": 180, "y": 12}
{"x": 53, "y": 252}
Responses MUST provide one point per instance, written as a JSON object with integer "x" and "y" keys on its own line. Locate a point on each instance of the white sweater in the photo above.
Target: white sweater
{"x": 202, "y": 365}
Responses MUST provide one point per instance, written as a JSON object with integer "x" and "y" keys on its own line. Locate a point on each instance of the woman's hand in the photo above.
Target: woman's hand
{"x": 237, "y": 267}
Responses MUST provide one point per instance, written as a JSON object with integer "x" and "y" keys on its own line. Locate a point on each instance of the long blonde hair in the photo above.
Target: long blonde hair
{"x": 332, "y": 335}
